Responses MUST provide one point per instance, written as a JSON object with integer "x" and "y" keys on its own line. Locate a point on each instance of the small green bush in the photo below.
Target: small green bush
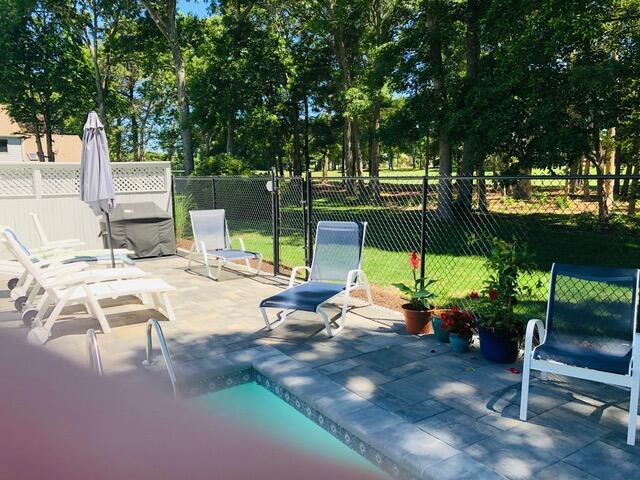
{"x": 182, "y": 205}
{"x": 221, "y": 164}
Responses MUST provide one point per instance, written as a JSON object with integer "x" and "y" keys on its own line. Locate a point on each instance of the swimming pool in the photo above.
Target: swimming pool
{"x": 272, "y": 417}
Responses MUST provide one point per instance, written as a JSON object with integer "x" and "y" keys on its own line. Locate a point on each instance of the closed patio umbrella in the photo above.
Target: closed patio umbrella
{"x": 96, "y": 180}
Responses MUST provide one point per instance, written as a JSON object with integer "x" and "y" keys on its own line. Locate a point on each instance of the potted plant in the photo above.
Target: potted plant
{"x": 438, "y": 325}
{"x": 417, "y": 312}
{"x": 460, "y": 326}
{"x": 499, "y": 327}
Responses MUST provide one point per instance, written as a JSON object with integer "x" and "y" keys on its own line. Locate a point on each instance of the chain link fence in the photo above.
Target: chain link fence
{"x": 579, "y": 220}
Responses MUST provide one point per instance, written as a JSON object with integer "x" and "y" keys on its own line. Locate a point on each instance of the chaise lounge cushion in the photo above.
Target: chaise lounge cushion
{"x": 306, "y": 296}
{"x": 613, "y": 360}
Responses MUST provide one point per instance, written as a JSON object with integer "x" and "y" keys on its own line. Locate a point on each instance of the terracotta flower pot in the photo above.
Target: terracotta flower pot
{"x": 417, "y": 321}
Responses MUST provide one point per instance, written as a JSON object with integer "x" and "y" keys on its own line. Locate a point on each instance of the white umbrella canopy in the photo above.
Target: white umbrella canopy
{"x": 96, "y": 179}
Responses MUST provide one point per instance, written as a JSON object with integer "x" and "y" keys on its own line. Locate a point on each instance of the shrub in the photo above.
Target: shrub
{"x": 221, "y": 164}
{"x": 182, "y": 205}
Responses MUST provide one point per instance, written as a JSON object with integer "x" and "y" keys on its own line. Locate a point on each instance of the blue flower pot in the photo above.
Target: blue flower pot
{"x": 498, "y": 346}
{"x": 458, "y": 344}
{"x": 440, "y": 334}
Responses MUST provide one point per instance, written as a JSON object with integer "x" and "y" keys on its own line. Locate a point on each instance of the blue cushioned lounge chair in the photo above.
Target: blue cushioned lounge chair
{"x": 335, "y": 269}
{"x": 211, "y": 240}
{"x": 590, "y": 332}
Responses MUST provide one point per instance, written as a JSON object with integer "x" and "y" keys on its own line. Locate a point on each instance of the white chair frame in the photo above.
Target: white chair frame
{"x": 211, "y": 260}
{"x": 631, "y": 380}
{"x": 356, "y": 280}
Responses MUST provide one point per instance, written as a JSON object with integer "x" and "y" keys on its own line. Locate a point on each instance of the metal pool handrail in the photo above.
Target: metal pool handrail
{"x": 93, "y": 351}
{"x": 151, "y": 324}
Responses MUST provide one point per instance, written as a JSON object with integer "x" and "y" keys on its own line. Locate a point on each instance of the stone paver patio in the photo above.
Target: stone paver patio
{"x": 445, "y": 415}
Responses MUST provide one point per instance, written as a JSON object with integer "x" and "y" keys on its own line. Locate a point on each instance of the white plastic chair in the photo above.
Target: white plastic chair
{"x": 589, "y": 333}
{"x": 66, "y": 243}
{"x": 211, "y": 240}
{"x": 72, "y": 286}
{"x": 335, "y": 269}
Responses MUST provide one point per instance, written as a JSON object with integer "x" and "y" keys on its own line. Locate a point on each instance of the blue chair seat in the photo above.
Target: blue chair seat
{"x": 229, "y": 254}
{"x": 306, "y": 296}
{"x": 614, "y": 361}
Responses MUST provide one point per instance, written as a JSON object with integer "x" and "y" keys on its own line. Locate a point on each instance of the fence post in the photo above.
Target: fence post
{"x": 423, "y": 229}
{"x": 275, "y": 221}
{"x": 308, "y": 208}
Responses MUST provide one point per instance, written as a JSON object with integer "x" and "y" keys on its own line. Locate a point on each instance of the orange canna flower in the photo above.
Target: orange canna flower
{"x": 414, "y": 260}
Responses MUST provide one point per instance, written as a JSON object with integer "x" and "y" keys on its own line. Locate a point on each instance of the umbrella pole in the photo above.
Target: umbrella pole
{"x": 109, "y": 244}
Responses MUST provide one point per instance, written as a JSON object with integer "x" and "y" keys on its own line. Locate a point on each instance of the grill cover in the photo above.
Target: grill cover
{"x": 142, "y": 227}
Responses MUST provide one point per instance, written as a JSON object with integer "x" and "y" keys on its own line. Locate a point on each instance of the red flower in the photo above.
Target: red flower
{"x": 493, "y": 294}
{"x": 473, "y": 295}
{"x": 455, "y": 309}
{"x": 414, "y": 260}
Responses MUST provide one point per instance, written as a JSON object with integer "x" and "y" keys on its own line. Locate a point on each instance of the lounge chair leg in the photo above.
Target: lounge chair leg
{"x": 102, "y": 319}
{"x": 259, "y": 268}
{"x": 269, "y": 325}
{"x": 524, "y": 395}
{"x": 327, "y": 324}
{"x": 219, "y": 270}
{"x": 365, "y": 282}
{"x": 168, "y": 307}
{"x": 633, "y": 410}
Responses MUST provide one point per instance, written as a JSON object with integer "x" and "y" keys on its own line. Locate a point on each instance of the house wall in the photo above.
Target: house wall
{"x": 14, "y": 147}
{"x": 67, "y": 148}
{"x": 52, "y": 191}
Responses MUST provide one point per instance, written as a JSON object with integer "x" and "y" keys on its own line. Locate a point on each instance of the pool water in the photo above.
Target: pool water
{"x": 272, "y": 417}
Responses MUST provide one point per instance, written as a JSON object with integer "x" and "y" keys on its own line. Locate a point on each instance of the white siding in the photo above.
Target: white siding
{"x": 51, "y": 191}
{"x": 15, "y": 150}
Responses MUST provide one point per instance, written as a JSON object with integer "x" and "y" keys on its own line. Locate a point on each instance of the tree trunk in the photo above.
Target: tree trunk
{"x": 183, "y": 107}
{"x": 606, "y": 166}
{"x": 98, "y": 75}
{"x": 295, "y": 123}
{"x": 445, "y": 196}
{"x": 135, "y": 128}
{"x": 346, "y": 147}
{"x": 633, "y": 188}
{"x": 618, "y": 169}
{"x": 586, "y": 187}
{"x": 374, "y": 145}
{"x": 470, "y": 145}
{"x": 165, "y": 20}
{"x": 231, "y": 134}
{"x": 38, "y": 134}
{"x": 48, "y": 134}
{"x": 483, "y": 205}
{"x": 524, "y": 189}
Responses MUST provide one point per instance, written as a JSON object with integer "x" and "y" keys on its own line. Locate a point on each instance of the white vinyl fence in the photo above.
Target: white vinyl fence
{"x": 52, "y": 191}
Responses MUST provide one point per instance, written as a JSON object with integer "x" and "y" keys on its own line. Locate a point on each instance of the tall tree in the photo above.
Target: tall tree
{"x": 164, "y": 14}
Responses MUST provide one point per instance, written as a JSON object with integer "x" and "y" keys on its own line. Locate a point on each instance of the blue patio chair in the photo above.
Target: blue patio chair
{"x": 211, "y": 240}
{"x": 335, "y": 269}
{"x": 590, "y": 332}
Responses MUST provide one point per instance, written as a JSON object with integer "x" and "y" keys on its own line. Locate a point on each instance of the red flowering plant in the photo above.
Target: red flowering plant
{"x": 458, "y": 322}
{"x": 494, "y": 305}
{"x": 418, "y": 295}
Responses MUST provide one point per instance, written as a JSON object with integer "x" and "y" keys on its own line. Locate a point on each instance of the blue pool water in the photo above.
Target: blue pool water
{"x": 252, "y": 405}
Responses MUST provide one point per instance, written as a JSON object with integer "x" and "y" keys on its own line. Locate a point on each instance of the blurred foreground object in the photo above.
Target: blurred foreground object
{"x": 60, "y": 421}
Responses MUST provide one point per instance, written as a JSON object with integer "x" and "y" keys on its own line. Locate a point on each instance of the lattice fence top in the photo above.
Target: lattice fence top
{"x": 16, "y": 181}
{"x": 64, "y": 179}
{"x": 132, "y": 178}
{"x": 61, "y": 181}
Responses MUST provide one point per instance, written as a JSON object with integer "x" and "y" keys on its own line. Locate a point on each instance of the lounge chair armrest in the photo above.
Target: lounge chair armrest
{"x": 294, "y": 273}
{"x": 66, "y": 244}
{"x": 59, "y": 270}
{"x": 528, "y": 339}
{"x": 111, "y": 274}
{"x": 239, "y": 239}
{"x": 352, "y": 276}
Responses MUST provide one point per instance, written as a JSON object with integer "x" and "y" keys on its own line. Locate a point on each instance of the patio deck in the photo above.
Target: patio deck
{"x": 440, "y": 414}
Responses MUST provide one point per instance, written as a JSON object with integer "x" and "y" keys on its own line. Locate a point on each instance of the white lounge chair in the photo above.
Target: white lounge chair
{"x": 590, "y": 332}
{"x": 45, "y": 258}
{"x": 66, "y": 243}
{"x": 75, "y": 287}
{"x": 335, "y": 269}
{"x": 211, "y": 241}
